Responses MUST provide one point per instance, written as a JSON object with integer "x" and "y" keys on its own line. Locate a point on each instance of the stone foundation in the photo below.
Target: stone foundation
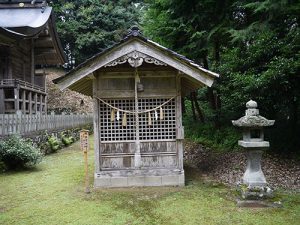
{"x": 138, "y": 179}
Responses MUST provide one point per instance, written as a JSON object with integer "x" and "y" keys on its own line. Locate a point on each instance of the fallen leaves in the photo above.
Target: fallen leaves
{"x": 229, "y": 167}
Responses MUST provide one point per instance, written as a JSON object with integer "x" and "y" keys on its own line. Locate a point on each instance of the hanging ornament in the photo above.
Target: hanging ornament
{"x": 138, "y": 79}
{"x": 156, "y": 115}
{"x": 149, "y": 119}
{"x": 112, "y": 115}
{"x": 161, "y": 113}
{"x": 118, "y": 115}
{"x": 124, "y": 120}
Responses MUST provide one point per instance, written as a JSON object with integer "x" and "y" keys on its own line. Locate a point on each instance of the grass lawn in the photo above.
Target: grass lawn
{"x": 53, "y": 194}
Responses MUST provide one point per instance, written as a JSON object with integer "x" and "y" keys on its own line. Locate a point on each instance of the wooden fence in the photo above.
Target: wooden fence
{"x": 25, "y": 124}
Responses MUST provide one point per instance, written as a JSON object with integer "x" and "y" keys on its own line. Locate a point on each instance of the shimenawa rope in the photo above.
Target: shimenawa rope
{"x": 133, "y": 112}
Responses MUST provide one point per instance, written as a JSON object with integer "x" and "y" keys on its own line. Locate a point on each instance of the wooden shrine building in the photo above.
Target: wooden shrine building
{"x": 28, "y": 41}
{"x": 137, "y": 86}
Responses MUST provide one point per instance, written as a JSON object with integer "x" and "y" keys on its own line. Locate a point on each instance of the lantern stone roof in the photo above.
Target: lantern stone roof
{"x": 32, "y": 20}
{"x": 253, "y": 121}
{"x": 252, "y": 117}
{"x": 79, "y": 79}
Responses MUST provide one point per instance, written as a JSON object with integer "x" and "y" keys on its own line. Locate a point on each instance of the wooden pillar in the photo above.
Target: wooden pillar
{"x": 137, "y": 154}
{"x": 41, "y": 104}
{"x": 45, "y": 102}
{"x": 24, "y": 101}
{"x": 32, "y": 69}
{"x": 17, "y": 98}
{"x": 35, "y": 103}
{"x": 10, "y": 72}
{"x": 180, "y": 131}
{"x": 96, "y": 127}
{"x": 44, "y": 81}
{"x": 30, "y": 102}
{"x": 2, "y": 103}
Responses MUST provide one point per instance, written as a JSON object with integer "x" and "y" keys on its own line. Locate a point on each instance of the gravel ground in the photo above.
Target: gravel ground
{"x": 228, "y": 167}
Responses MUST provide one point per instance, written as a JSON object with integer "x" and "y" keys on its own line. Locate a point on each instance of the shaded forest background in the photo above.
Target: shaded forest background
{"x": 253, "y": 45}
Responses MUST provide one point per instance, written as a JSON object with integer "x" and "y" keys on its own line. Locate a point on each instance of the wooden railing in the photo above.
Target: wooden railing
{"x": 23, "y": 84}
{"x": 26, "y": 124}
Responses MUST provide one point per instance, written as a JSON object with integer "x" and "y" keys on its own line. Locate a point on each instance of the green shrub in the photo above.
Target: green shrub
{"x": 54, "y": 143}
{"x": 66, "y": 140}
{"x": 16, "y": 152}
{"x": 222, "y": 139}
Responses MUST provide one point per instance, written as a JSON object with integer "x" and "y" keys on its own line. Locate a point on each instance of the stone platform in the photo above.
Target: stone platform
{"x": 138, "y": 178}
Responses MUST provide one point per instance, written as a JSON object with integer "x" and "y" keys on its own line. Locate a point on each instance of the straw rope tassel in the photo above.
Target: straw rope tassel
{"x": 112, "y": 115}
{"x": 118, "y": 115}
{"x": 156, "y": 114}
{"x": 161, "y": 113}
{"x": 149, "y": 119}
{"x": 138, "y": 79}
{"x": 124, "y": 120}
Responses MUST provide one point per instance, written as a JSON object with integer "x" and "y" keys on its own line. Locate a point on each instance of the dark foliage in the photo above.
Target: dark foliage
{"x": 254, "y": 45}
{"x": 87, "y": 27}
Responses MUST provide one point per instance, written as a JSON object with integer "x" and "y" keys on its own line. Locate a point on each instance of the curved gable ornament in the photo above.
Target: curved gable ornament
{"x": 135, "y": 59}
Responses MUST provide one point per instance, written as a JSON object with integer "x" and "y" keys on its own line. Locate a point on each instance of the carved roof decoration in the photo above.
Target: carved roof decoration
{"x": 135, "y": 59}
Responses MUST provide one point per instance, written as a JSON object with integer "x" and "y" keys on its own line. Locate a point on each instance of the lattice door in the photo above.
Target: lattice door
{"x": 164, "y": 129}
{"x": 114, "y": 131}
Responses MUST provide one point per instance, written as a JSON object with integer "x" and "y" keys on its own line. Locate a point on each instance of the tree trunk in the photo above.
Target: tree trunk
{"x": 217, "y": 51}
{"x": 213, "y": 99}
{"x": 294, "y": 115}
{"x": 193, "y": 109}
{"x": 197, "y": 107}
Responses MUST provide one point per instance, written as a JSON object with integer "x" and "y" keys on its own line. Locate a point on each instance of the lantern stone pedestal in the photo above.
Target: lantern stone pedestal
{"x": 254, "y": 185}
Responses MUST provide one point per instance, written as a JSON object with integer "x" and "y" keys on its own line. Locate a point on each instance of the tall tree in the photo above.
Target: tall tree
{"x": 87, "y": 27}
{"x": 194, "y": 28}
{"x": 253, "y": 44}
{"x": 265, "y": 64}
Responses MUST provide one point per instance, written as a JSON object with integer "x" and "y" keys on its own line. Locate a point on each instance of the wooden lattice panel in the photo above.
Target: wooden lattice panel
{"x": 158, "y": 129}
{"x": 164, "y": 129}
{"x": 113, "y": 130}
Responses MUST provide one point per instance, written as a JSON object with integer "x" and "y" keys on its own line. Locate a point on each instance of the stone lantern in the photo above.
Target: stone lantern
{"x": 254, "y": 184}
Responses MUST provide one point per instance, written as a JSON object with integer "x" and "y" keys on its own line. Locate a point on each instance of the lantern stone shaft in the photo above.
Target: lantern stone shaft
{"x": 254, "y": 144}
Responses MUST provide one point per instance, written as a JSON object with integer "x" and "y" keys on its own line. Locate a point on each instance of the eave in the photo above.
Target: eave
{"x": 196, "y": 75}
{"x": 37, "y": 23}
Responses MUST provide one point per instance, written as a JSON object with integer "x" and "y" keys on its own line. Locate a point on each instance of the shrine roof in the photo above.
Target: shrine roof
{"x": 134, "y": 41}
{"x": 26, "y": 20}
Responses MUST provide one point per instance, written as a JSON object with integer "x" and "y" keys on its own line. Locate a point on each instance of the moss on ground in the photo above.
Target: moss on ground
{"x": 53, "y": 194}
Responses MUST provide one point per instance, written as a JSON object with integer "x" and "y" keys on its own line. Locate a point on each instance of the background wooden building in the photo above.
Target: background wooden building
{"x": 28, "y": 40}
{"x": 137, "y": 86}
